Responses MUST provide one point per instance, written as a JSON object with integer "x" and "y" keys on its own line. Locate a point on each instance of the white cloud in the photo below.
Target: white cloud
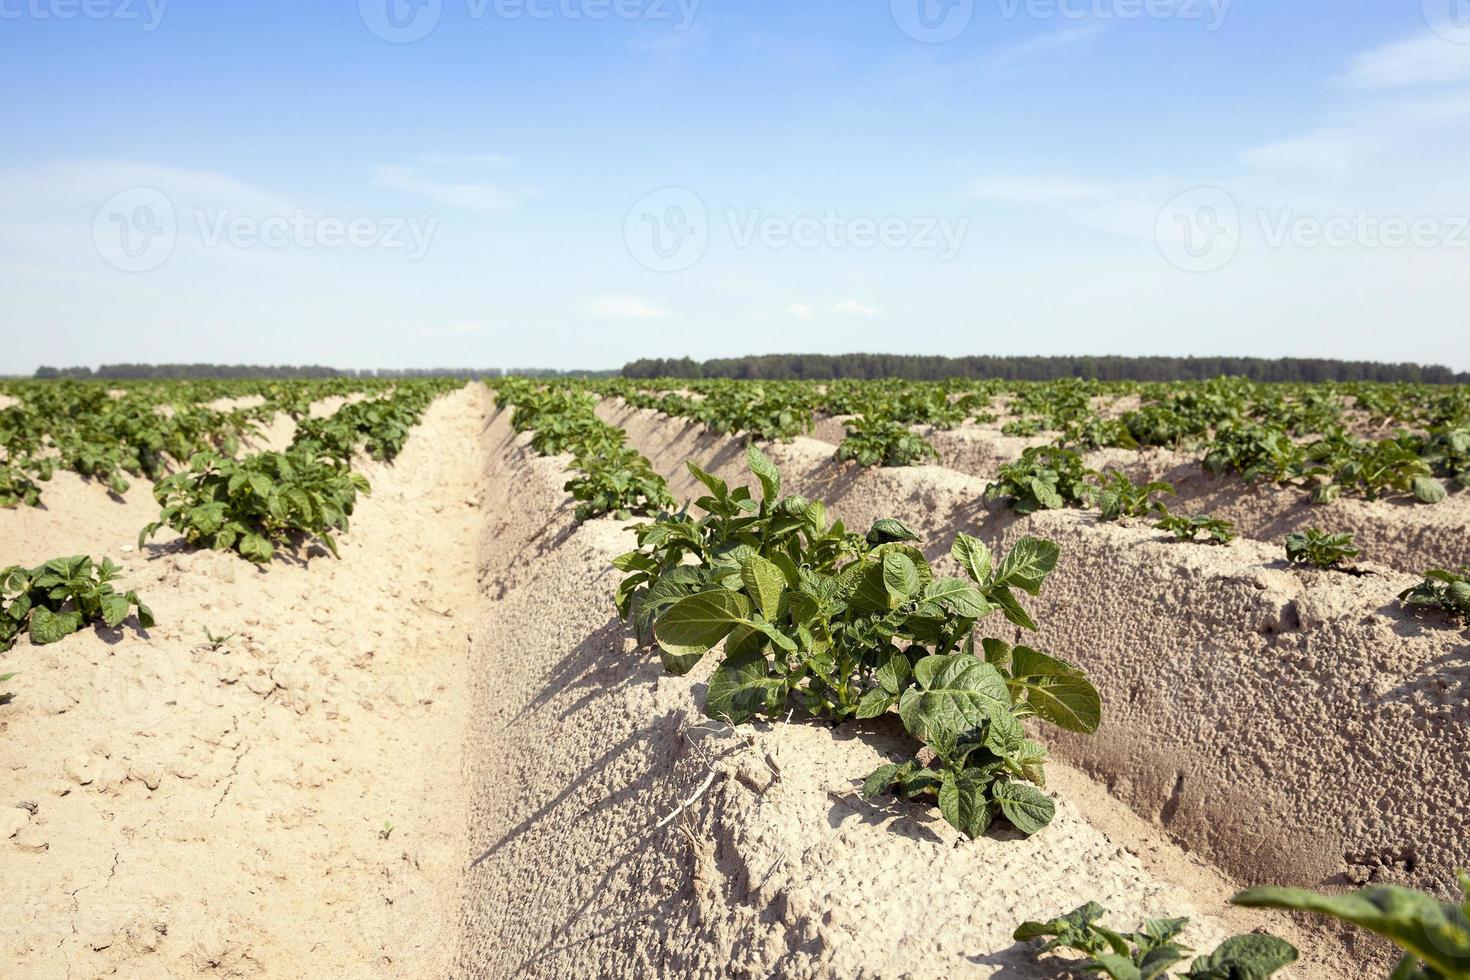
{"x": 467, "y": 195}
{"x": 626, "y": 308}
{"x": 801, "y": 311}
{"x": 1334, "y": 151}
{"x": 1017, "y": 53}
{"x": 851, "y": 307}
{"x": 1425, "y": 60}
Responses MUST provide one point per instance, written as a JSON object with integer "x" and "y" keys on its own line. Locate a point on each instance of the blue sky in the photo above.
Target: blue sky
{"x": 574, "y": 183}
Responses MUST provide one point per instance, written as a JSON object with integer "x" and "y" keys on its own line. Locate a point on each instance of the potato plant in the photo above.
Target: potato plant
{"x": 876, "y": 441}
{"x": 256, "y": 504}
{"x": 1434, "y": 934}
{"x": 1217, "y": 530}
{"x": 16, "y": 488}
{"x": 1371, "y": 470}
{"x": 379, "y": 426}
{"x": 1119, "y": 497}
{"x": 61, "y": 597}
{"x": 620, "y": 482}
{"x": 1315, "y": 547}
{"x": 1044, "y": 478}
{"x": 848, "y": 626}
{"x": 611, "y": 477}
{"x": 1447, "y": 591}
{"x": 1154, "y": 949}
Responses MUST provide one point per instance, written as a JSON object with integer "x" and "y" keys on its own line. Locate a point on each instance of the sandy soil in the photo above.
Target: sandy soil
{"x": 441, "y": 756}
{"x": 264, "y": 808}
{"x": 1249, "y": 702}
{"x": 777, "y": 867}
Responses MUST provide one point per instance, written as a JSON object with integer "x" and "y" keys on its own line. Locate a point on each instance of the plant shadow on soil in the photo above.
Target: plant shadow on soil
{"x": 1417, "y": 622}
{"x": 1017, "y": 962}
{"x": 660, "y": 734}
{"x": 596, "y": 668}
{"x": 113, "y": 635}
{"x": 297, "y": 555}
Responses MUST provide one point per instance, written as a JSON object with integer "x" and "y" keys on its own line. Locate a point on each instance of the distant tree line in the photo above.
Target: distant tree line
{"x": 828, "y": 367}
{"x": 168, "y": 372}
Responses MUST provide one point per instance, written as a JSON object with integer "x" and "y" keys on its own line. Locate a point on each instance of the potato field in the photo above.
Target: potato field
{"x": 714, "y": 678}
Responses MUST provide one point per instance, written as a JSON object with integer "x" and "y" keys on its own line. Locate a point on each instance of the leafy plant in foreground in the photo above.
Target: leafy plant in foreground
{"x": 61, "y": 597}
{"x": 849, "y": 626}
{"x": 1218, "y": 530}
{"x": 1154, "y": 949}
{"x": 1315, "y": 547}
{"x": 1044, "y": 478}
{"x": 882, "y": 442}
{"x": 1119, "y": 497}
{"x": 1434, "y": 934}
{"x": 1441, "y": 589}
{"x": 968, "y": 712}
{"x": 253, "y": 505}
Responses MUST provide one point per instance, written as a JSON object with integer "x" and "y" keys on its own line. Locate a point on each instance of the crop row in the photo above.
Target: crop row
{"x": 804, "y": 614}
{"x": 611, "y": 477}
{"x": 251, "y": 505}
{"x": 141, "y": 430}
{"x": 1308, "y": 436}
{"x": 807, "y": 615}
{"x": 261, "y": 501}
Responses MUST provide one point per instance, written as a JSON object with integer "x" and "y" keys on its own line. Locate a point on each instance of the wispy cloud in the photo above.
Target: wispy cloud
{"x": 802, "y": 311}
{"x": 1015, "y": 54}
{"x": 851, "y": 307}
{"x": 465, "y": 195}
{"x": 626, "y": 308}
{"x": 1425, "y": 60}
